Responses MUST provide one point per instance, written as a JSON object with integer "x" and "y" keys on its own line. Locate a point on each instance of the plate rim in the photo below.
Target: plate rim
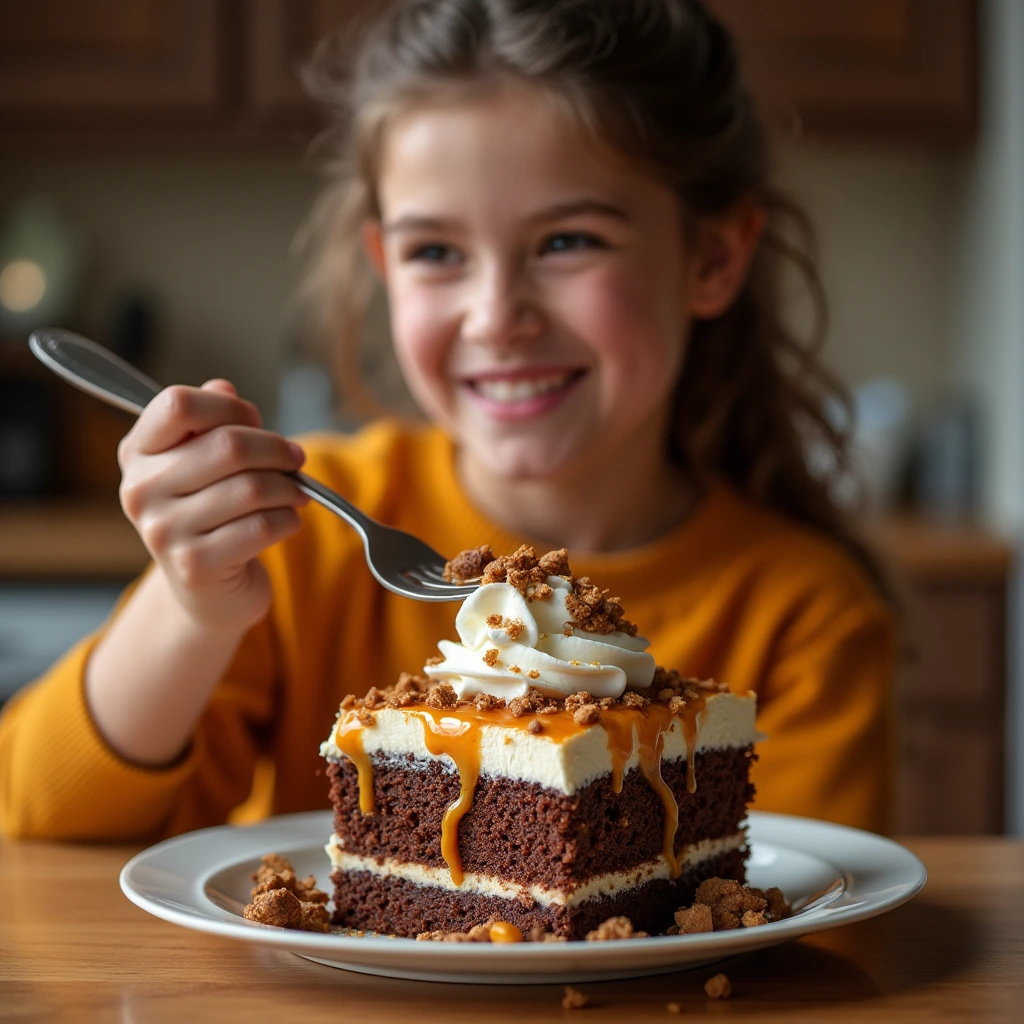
{"x": 527, "y": 955}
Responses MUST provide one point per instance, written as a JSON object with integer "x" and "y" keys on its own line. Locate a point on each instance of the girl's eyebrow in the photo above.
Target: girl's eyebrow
{"x": 558, "y": 211}
{"x": 576, "y": 207}
{"x": 416, "y": 222}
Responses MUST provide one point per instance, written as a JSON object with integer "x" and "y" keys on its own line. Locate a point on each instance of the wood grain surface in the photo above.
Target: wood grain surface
{"x": 73, "y": 948}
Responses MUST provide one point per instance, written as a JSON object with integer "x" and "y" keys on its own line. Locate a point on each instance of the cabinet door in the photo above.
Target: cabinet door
{"x": 111, "y": 64}
{"x": 951, "y": 710}
{"x": 903, "y": 68}
{"x": 281, "y": 36}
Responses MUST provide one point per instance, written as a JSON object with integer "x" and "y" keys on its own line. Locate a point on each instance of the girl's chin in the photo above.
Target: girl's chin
{"x": 520, "y": 458}
{"x": 529, "y": 448}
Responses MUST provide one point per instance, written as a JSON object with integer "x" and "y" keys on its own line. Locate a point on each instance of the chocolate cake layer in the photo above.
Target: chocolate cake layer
{"x": 394, "y": 906}
{"x": 525, "y": 833}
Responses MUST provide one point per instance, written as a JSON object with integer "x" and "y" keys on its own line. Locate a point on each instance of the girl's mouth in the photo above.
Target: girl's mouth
{"x": 522, "y": 395}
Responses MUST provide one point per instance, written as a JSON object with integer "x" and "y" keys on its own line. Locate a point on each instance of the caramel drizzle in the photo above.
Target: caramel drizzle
{"x": 620, "y": 730}
{"x": 456, "y": 732}
{"x": 691, "y": 728}
{"x": 658, "y": 719}
{"x": 445, "y": 733}
{"x": 348, "y": 738}
{"x": 629, "y": 728}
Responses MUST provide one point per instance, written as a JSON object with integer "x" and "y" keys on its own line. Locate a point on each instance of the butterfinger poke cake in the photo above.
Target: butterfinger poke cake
{"x": 541, "y": 771}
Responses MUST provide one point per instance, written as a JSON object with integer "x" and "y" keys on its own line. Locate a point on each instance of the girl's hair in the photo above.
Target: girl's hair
{"x": 658, "y": 81}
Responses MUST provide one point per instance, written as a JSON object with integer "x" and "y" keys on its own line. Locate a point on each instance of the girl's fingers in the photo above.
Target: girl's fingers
{"x": 234, "y": 498}
{"x": 232, "y": 545}
{"x": 179, "y": 412}
{"x": 221, "y": 385}
{"x": 225, "y": 387}
{"x": 203, "y": 461}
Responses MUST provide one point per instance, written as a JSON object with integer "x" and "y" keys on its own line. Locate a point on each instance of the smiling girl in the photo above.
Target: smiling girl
{"x": 569, "y": 205}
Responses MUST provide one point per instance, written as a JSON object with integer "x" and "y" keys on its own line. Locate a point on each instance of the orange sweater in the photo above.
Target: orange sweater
{"x": 736, "y": 593}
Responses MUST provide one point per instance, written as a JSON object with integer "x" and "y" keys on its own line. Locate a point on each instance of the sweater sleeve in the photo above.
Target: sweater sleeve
{"x": 825, "y": 711}
{"x": 59, "y": 779}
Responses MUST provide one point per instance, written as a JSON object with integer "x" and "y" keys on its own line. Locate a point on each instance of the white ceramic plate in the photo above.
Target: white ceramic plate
{"x": 831, "y": 874}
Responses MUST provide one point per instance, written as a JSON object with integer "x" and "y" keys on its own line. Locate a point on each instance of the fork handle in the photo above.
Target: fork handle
{"x": 104, "y": 375}
{"x": 332, "y": 500}
{"x": 93, "y": 369}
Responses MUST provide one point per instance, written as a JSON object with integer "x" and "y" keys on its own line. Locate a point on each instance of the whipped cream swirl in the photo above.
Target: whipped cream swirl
{"x": 510, "y": 645}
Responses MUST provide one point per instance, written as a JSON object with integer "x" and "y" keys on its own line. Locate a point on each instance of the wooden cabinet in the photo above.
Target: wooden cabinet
{"x": 195, "y": 71}
{"x": 226, "y": 70}
{"x": 951, "y": 711}
{"x": 891, "y": 68}
{"x": 950, "y": 700}
{"x": 74, "y": 67}
{"x": 280, "y": 37}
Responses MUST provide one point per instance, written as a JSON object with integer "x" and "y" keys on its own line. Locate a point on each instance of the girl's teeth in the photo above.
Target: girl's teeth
{"x": 520, "y": 390}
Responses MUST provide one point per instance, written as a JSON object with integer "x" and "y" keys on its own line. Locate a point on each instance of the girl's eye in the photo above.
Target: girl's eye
{"x": 571, "y": 241}
{"x": 435, "y": 252}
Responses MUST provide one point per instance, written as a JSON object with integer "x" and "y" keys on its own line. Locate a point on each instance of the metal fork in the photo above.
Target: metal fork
{"x": 399, "y": 561}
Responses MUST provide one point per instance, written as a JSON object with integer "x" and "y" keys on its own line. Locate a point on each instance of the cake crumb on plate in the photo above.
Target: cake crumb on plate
{"x": 615, "y": 928}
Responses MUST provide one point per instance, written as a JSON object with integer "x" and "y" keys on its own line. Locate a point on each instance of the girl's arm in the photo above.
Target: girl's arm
{"x": 152, "y": 674}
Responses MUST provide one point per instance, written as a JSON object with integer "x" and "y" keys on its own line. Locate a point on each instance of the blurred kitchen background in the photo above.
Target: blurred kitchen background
{"x": 154, "y": 171}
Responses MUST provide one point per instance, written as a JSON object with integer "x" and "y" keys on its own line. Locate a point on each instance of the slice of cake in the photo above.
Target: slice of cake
{"x": 541, "y": 772}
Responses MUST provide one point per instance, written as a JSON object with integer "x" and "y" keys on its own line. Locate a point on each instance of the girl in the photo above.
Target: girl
{"x": 569, "y": 205}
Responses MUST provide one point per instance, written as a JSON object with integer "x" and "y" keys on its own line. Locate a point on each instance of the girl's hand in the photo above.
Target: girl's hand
{"x": 205, "y": 488}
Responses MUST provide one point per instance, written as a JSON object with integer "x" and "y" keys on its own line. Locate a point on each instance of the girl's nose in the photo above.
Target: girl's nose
{"x": 500, "y": 313}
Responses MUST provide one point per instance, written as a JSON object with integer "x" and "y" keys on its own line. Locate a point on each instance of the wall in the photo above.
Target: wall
{"x": 210, "y": 237}
{"x": 989, "y": 301}
{"x": 886, "y": 221}
{"x": 989, "y": 342}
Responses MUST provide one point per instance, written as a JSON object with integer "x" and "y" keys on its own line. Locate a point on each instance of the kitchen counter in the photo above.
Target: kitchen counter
{"x": 68, "y": 540}
{"x": 924, "y": 548}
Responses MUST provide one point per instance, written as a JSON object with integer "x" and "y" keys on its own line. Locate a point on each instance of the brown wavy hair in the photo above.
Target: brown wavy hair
{"x": 658, "y": 81}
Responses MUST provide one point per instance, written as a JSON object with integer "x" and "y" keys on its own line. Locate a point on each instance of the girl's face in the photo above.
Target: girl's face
{"x": 538, "y": 286}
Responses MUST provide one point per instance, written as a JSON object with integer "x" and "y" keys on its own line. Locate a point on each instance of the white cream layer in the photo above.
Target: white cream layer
{"x": 541, "y": 656}
{"x": 566, "y": 765}
{"x": 491, "y": 885}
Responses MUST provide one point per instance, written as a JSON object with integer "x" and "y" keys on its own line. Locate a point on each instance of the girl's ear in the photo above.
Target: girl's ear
{"x": 724, "y": 249}
{"x": 373, "y": 246}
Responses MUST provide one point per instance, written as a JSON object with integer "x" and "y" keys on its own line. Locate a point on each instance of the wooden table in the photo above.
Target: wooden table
{"x": 73, "y": 948}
